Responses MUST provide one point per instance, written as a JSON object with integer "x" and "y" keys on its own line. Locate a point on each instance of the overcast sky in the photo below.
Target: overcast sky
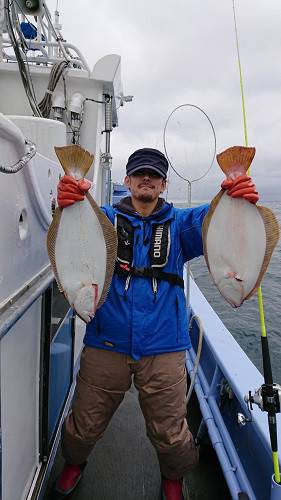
{"x": 183, "y": 51}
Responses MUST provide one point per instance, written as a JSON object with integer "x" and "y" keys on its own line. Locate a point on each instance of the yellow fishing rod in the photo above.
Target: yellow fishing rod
{"x": 269, "y": 392}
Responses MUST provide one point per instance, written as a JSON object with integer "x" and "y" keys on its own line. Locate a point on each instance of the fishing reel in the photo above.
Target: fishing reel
{"x": 267, "y": 397}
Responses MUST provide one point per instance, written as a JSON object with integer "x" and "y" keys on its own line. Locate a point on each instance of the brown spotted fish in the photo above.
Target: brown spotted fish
{"x": 81, "y": 243}
{"x": 238, "y": 236}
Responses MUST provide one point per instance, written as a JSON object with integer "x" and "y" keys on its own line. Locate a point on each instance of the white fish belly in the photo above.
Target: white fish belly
{"x": 236, "y": 245}
{"x": 80, "y": 251}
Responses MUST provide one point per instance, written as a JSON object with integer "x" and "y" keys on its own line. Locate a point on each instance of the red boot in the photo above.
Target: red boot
{"x": 68, "y": 479}
{"x": 172, "y": 489}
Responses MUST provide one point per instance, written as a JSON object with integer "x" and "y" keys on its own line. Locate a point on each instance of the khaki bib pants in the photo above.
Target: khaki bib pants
{"x": 102, "y": 381}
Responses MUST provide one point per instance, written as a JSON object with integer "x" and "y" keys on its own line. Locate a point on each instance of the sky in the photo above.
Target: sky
{"x": 175, "y": 52}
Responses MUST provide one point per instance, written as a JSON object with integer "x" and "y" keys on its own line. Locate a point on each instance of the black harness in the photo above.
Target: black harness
{"x": 159, "y": 253}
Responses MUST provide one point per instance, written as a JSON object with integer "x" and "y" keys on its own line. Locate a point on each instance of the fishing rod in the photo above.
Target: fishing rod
{"x": 268, "y": 396}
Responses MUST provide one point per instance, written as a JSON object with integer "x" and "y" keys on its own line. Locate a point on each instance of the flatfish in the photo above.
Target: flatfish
{"x": 238, "y": 236}
{"x": 81, "y": 243}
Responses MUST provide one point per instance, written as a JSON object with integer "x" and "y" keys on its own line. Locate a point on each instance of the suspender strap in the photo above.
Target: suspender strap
{"x": 125, "y": 233}
{"x": 147, "y": 272}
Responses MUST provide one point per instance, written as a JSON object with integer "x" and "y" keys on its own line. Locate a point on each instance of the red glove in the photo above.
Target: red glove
{"x": 241, "y": 187}
{"x": 70, "y": 190}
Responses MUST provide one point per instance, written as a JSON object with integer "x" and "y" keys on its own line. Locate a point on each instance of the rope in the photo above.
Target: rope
{"x": 260, "y": 299}
{"x": 198, "y": 355}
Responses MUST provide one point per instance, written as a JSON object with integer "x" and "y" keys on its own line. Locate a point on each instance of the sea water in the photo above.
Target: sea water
{"x": 244, "y": 322}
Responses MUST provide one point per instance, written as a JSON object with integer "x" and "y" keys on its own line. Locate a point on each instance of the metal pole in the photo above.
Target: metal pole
{"x": 187, "y": 266}
{"x": 106, "y": 162}
{"x": 106, "y": 158}
{"x": 2, "y": 20}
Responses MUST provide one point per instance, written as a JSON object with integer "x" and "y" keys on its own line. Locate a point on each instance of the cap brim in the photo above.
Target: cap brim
{"x": 147, "y": 167}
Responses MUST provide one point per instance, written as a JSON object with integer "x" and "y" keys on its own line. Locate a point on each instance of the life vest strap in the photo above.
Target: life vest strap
{"x": 147, "y": 272}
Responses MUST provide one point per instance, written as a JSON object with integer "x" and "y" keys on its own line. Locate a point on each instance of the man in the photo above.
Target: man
{"x": 141, "y": 331}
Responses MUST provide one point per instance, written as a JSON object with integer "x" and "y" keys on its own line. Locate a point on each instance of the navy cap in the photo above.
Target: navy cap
{"x": 150, "y": 159}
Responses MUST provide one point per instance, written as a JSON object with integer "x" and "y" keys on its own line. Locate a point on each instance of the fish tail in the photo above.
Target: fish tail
{"x": 74, "y": 159}
{"x": 236, "y": 158}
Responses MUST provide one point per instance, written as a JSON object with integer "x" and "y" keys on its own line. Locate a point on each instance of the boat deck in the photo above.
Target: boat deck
{"x": 124, "y": 464}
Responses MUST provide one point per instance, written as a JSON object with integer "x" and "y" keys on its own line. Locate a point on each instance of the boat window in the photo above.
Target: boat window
{"x": 56, "y": 364}
{"x": 60, "y": 371}
{"x": 60, "y": 307}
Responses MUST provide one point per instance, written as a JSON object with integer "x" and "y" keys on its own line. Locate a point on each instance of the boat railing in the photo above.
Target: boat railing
{"x": 223, "y": 379}
{"x": 47, "y": 56}
{"x": 15, "y": 307}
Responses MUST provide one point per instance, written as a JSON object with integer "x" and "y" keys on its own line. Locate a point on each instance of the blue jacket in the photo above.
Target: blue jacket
{"x": 131, "y": 321}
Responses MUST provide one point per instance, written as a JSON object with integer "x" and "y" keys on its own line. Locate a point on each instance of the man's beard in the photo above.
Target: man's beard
{"x": 146, "y": 197}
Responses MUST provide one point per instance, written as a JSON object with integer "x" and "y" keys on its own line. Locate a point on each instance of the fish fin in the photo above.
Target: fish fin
{"x": 110, "y": 237}
{"x": 272, "y": 232}
{"x": 51, "y": 244}
{"x": 237, "y": 156}
{"x": 206, "y": 223}
{"x": 74, "y": 159}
